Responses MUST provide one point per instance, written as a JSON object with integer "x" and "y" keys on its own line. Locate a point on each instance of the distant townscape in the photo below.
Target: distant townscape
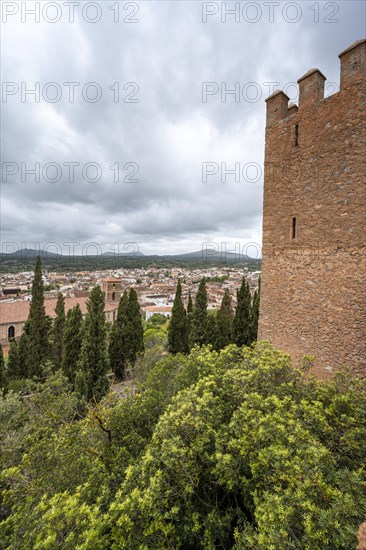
{"x": 155, "y": 289}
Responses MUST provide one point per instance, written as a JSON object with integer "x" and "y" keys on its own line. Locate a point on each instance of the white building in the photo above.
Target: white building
{"x": 162, "y": 310}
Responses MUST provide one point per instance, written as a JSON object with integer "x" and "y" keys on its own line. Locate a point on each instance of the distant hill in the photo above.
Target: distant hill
{"x": 25, "y": 253}
{"x": 131, "y": 254}
{"x": 24, "y": 260}
{"x": 206, "y": 255}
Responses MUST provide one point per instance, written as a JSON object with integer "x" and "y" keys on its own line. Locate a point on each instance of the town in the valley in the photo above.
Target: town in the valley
{"x": 155, "y": 287}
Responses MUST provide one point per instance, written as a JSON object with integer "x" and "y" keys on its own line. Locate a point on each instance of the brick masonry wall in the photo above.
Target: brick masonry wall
{"x": 313, "y": 286}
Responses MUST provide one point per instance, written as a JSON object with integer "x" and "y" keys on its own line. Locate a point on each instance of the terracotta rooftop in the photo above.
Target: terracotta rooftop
{"x": 159, "y": 308}
{"x": 17, "y": 312}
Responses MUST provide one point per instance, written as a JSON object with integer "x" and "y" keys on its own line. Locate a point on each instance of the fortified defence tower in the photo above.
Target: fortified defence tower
{"x": 314, "y": 220}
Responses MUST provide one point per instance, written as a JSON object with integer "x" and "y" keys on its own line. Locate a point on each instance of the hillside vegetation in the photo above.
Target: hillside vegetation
{"x": 230, "y": 450}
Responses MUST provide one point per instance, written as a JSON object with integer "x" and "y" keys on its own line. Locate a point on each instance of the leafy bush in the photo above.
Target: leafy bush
{"x": 233, "y": 450}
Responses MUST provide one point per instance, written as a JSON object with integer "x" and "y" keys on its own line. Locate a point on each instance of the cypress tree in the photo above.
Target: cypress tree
{"x": 178, "y": 327}
{"x": 242, "y": 318}
{"x": 38, "y": 325}
{"x": 116, "y": 349}
{"x": 213, "y": 334}
{"x": 3, "y": 373}
{"x": 199, "y": 317}
{"x": 81, "y": 386}
{"x": 134, "y": 332}
{"x": 190, "y": 329}
{"x": 71, "y": 342}
{"x": 255, "y": 314}
{"x": 23, "y": 358}
{"x": 190, "y": 304}
{"x": 225, "y": 317}
{"x": 58, "y": 330}
{"x": 93, "y": 362}
{"x": 14, "y": 370}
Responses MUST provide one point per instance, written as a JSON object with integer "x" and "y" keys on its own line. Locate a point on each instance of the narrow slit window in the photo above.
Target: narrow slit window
{"x": 293, "y": 228}
{"x": 296, "y": 135}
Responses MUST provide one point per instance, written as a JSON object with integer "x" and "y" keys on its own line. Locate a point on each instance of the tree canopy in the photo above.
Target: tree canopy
{"x": 233, "y": 449}
{"x": 178, "y": 326}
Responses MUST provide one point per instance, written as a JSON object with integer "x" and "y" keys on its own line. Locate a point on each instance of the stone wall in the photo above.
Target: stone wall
{"x": 314, "y": 220}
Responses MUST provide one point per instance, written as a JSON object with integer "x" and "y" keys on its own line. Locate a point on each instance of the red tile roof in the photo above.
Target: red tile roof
{"x": 17, "y": 312}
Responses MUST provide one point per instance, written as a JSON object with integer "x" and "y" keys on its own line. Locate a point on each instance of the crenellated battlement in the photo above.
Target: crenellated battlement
{"x": 311, "y": 87}
{"x": 277, "y": 107}
{"x": 314, "y": 220}
{"x": 353, "y": 63}
{"x": 311, "y": 84}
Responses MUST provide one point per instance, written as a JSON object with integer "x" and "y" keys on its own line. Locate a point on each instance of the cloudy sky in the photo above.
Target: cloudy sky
{"x": 131, "y": 127}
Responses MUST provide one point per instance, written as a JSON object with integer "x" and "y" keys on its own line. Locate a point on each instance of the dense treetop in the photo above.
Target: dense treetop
{"x": 234, "y": 449}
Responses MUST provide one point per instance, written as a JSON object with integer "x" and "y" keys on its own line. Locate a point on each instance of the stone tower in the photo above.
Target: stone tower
{"x": 314, "y": 220}
{"x": 112, "y": 289}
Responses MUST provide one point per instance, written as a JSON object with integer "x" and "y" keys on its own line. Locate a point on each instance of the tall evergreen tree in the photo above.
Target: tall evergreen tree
{"x": 117, "y": 340}
{"x": 242, "y": 318}
{"x": 190, "y": 304}
{"x": 23, "y": 357}
{"x": 71, "y": 342}
{"x": 190, "y": 330}
{"x": 38, "y": 325}
{"x": 255, "y": 313}
{"x": 134, "y": 332}
{"x": 3, "y": 373}
{"x": 93, "y": 362}
{"x": 58, "y": 330}
{"x": 178, "y": 326}
{"x": 213, "y": 334}
{"x": 14, "y": 370}
{"x": 81, "y": 385}
{"x": 199, "y": 317}
{"x": 225, "y": 317}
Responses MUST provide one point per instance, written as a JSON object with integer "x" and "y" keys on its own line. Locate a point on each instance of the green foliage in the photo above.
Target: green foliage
{"x": 59, "y": 263}
{"x": 225, "y": 317}
{"x": 213, "y": 336}
{"x": 178, "y": 326}
{"x": 199, "y": 317}
{"x": 233, "y": 450}
{"x": 242, "y": 460}
{"x": 242, "y": 318}
{"x": 58, "y": 330}
{"x": 23, "y": 356}
{"x": 38, "y": 349}
{"x": 50, "y": 287}
{"x": 218, "y": 278}
{"x": 3, "y": 372}
{"x": 154, "y": 337}
{"x": 155, "y": 341}
{"x": 134, "y": 332}
{"x": 255, "y": 313}
{"x": 117, "y": 340}
{"x": 93, "y": 361}
{"x": 20, "y": 385}
{"x": 81, "y": 385}
{"x": 156, "y": 320}
{"x": 71, "y": 343}
{"x": 190, "y": 303}
{"x": 13, "y": 366}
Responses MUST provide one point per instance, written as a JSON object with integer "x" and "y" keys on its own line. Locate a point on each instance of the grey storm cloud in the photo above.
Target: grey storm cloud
{"x": 160, "y": 132}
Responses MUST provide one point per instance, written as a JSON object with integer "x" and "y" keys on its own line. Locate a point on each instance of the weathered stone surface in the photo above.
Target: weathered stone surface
{"x": 313, "y": 278}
